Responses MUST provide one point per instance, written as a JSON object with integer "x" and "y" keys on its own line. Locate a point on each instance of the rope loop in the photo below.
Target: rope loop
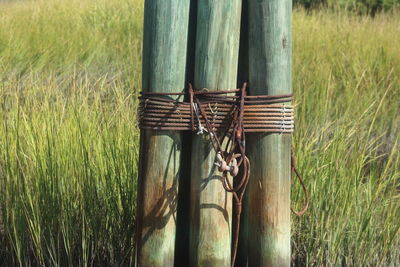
{"x": 224, "y": 115}
{"x": 303, "y": 186}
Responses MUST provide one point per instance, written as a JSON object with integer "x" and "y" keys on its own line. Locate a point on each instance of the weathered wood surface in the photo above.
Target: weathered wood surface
{"x": 243, "y": 76}
{"x": 164, "y": 61}
{"x": 217, "y": 48}
{"x": 269, "y": 189}
{"x": 183, "y": 212}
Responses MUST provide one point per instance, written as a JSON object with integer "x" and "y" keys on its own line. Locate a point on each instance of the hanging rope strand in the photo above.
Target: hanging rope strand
{"x": 303, "y": 186}
{"x": 233, "y": 115}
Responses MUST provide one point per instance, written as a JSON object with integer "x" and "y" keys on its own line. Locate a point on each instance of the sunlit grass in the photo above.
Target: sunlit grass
{"x": 347, "y": 138}
{"x": 69, "y": 77}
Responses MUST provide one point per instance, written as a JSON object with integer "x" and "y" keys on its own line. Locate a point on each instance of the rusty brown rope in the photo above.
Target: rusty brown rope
{"x": 300, "y": 178}
{"x": 232, "y": 113}
{"x": 260, "y": 113}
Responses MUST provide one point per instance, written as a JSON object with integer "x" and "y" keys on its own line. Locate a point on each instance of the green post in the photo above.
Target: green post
{"x": 164, "y": 62}
{"x": 217, "y": 48}
{"x": 269, "y": 189}
{"x": 243, "y": 76}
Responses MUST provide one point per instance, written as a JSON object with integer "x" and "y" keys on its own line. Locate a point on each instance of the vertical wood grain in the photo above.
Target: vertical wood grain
{"x": 164, "y": 62}
{"x": 269, "y": 189}
{"x": 243, "y": 76}
{"x": 217, "y": 48}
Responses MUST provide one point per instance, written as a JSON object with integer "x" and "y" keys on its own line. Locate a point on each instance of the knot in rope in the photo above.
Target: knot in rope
{"x": 234, "y": 114}
{"x": 231, "y": 167}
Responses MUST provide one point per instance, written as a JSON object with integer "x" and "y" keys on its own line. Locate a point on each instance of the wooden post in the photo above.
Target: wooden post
{"x": 243, "y": 76}
{"x": 164, "y": 62}
{"x": 217, "y": 48}
{"x": 269, "y": 189}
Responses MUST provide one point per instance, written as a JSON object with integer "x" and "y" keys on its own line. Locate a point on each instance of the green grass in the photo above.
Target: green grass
{"x": 69, "y": 77}
{"x": 347, "y": 139}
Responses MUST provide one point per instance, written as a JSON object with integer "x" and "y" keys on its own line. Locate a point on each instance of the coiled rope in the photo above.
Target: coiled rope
{"x": 232, "y": 113}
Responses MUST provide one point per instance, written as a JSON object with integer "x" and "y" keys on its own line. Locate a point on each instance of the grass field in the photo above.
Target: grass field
{"x": 69, "y": 76}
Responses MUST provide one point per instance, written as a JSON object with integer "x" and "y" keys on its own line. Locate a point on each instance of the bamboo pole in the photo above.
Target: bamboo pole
{"x": 217, "y": 48}
{"x": 269, "y": 189}
{"x": 164, "y": 61}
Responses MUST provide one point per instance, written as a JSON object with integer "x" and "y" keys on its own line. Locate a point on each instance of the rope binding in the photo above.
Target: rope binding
{"x": 227, "y": 114}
